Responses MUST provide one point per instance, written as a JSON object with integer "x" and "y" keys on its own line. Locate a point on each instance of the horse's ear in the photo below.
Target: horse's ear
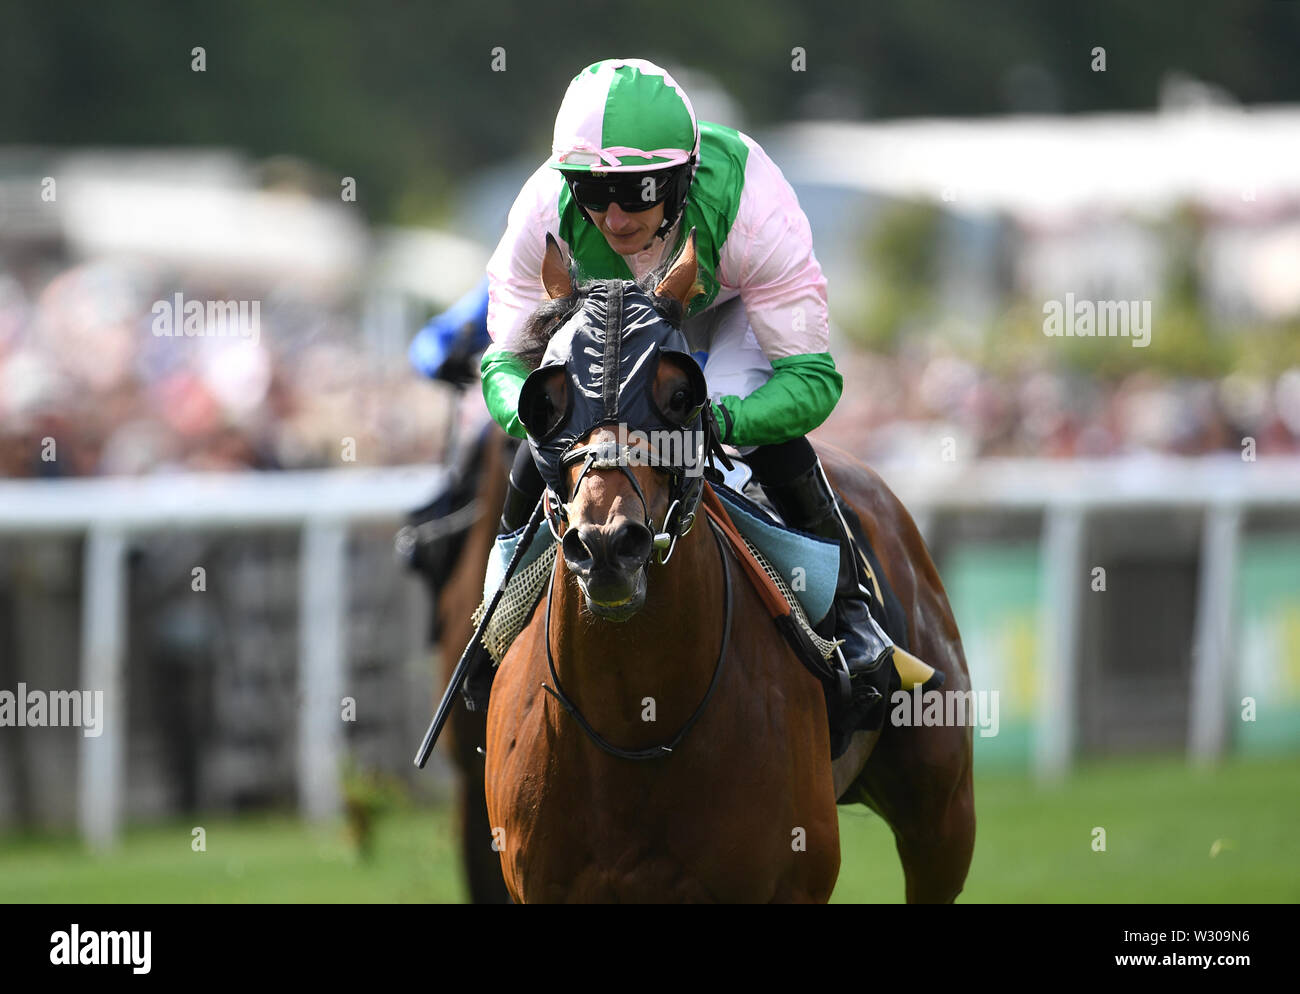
{"x": 679, "y": 283}
{"x": 555, "y": 271}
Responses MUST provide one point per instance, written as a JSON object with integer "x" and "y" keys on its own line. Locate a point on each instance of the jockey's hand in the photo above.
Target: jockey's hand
{"x": 460, "y": 367}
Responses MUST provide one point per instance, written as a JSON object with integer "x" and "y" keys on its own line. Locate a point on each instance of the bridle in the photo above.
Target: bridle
{"x": 683, "y": 496}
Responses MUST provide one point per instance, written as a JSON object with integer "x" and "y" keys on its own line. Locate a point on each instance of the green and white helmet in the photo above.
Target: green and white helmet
{"x": 624, "y": 116}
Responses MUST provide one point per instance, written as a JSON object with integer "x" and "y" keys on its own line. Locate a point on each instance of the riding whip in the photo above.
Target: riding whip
{"x": 462, "y": 668}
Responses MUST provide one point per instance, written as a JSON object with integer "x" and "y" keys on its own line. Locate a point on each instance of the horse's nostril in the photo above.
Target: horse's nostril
{"x": 576, "y": 552}
{"x": 632, "y": 543}
{"x": 622, "y": 547}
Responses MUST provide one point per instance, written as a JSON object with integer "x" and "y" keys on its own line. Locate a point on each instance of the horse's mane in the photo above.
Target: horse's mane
{"x": 547, "y": 319}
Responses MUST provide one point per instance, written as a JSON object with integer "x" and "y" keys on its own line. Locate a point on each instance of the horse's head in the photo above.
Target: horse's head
{"x": 616, "y": 414}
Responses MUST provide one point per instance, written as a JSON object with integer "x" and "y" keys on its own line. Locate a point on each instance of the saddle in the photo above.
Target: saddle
{"x": 736, "y": 483}
{"x": 814, "y": 651}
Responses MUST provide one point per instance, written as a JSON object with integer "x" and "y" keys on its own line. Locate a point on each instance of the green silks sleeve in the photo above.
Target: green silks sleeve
{"x": 503, "y": 374}
{"x": 801, "y": 394}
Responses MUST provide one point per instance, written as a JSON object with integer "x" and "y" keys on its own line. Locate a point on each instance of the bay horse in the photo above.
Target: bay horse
{"x": 743, "y": 807}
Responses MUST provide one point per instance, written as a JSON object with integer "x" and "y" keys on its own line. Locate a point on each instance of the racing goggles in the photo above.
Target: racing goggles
{"x": 632, "y": 192}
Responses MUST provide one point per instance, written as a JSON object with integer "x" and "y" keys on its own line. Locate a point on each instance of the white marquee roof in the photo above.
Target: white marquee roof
{"x": 1227, "y": 157}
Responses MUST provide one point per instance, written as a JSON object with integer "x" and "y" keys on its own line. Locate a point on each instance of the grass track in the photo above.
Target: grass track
{"x": 1032, "y": 845}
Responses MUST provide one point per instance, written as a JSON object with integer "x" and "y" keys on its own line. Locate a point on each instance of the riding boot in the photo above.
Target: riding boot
{"x": 519, "y": 505}
{"x": 807, "y": 502}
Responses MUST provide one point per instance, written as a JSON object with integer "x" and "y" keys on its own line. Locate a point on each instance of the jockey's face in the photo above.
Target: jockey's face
{"x": 628, "y": 232}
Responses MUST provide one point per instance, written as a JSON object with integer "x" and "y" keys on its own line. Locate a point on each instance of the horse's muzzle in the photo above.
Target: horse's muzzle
{"x": 610, "y": 564}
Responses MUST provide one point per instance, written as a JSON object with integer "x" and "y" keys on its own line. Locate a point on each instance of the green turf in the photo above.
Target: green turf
{"x": 1162, "y": 819}
{"x": 249, "y": 860}
{"x": 1032, "y": 845}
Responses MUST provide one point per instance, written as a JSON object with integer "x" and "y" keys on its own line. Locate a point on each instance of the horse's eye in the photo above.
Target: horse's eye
{"x": 674, "y": 393}
{"x": 544, "y": 403}
{"x": 555, "y": 405}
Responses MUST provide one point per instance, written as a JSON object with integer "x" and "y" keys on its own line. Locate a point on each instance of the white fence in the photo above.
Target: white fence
{"x": 109, "y": 510}
{"x": 324, "y": 504}
{"x": 1225, "y": 488}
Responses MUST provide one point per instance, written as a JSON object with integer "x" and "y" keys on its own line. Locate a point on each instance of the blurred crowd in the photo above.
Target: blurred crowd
{"x": 896, "y": 407}
{"x": 87, "y": 388}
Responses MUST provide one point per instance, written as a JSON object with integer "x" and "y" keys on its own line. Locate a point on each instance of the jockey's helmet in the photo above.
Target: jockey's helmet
{"x": 626, "y": 133}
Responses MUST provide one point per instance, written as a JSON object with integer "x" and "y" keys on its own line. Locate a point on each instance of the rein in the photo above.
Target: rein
{"x": 652, "y": 752}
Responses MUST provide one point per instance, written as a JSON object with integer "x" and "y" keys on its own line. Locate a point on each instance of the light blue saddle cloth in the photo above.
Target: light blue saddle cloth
{"x": 810, "y": 565}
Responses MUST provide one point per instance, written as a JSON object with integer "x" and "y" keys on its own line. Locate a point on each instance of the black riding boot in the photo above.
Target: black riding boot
{"x": 523, "y": 491}
{"x": 807, "y": 502}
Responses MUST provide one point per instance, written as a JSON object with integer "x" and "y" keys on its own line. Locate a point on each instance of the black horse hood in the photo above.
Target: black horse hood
{"x": 609, "y": 349}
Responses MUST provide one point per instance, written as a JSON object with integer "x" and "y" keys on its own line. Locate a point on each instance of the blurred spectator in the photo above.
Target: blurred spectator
{"x": 899, "y": 403}
{"x": 80, "y": 365}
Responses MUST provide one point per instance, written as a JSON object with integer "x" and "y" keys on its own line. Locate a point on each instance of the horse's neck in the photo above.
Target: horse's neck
{"x": 667, "y": 651}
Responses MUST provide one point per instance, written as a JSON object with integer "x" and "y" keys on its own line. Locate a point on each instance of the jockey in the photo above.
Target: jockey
{"x": 633, "y": 171}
